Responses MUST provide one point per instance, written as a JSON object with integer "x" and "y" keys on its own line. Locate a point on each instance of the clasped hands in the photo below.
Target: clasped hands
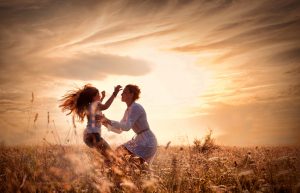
{"x": 103, "y": 120}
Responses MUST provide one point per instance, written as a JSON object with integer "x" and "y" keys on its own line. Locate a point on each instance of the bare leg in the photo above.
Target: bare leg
{"x": 103, "y": 147}
{"x": 94, "y": 140}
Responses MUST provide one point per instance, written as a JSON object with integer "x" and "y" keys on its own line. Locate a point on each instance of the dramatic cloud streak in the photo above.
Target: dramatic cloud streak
{"x": 230, "y": 65}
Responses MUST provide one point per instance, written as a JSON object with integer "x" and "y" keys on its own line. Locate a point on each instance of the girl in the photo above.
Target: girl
{"x": 86, "y": 102}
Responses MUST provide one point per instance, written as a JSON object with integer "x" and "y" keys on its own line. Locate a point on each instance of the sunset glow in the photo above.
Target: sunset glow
{"x": 229, "y": 66}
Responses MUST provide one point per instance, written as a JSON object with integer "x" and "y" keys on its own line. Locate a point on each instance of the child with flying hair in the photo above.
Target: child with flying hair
{"x": 87, "y": 102}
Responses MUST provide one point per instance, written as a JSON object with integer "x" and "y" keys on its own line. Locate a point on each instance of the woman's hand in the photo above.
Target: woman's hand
{"x": 106, "y": 122}
{"x": 100, "y": 118}
{"x": 117, "y": 90}
{"x": 103, "y": 120}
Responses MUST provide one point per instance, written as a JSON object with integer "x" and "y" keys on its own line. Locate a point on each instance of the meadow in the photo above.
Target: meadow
{"x": 201, "y": 167}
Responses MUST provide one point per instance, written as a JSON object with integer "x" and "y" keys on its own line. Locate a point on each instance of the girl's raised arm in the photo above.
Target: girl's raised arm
{"x": 111, "y": 99}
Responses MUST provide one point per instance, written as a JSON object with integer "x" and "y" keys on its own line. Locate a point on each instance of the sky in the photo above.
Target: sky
{"x": 225, "y": 65}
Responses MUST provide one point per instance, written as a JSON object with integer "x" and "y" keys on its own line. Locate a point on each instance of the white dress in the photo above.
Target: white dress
{"x": 144, "y": 144}
{"x": 93, "y": 126}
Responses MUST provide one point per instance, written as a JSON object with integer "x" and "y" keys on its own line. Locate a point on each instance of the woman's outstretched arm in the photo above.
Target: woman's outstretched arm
{"x": 115, "y": 130}
{"x": 134, "y": 113}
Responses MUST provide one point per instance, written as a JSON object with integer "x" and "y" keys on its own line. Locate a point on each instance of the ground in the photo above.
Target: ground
{"x": 196, "y": 168}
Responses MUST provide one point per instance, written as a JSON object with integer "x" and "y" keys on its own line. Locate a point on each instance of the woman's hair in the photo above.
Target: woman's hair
{"x": 77, "y": 101}
{"x": 135, "y": 90}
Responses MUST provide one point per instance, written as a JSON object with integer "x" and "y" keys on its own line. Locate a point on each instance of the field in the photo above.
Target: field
{"x": 201, "y": 167}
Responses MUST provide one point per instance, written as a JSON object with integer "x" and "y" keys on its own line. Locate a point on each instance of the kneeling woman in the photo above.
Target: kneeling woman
{"x": 144, "y": 144}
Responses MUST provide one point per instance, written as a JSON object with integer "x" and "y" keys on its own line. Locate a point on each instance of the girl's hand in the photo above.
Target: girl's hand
{"x": 103, "y": 94}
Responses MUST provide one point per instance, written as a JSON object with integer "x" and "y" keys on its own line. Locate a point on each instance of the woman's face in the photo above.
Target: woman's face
{"x": 126, "y": 95}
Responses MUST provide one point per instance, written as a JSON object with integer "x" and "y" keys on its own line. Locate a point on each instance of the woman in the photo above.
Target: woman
{"x": 144, "y": 144}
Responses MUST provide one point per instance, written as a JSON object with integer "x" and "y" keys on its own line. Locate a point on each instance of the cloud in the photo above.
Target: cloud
{"x": 282, "y": 8}
{"x": 80, "y": 67}
{"x": 290, "y": 55}
{"x": 211, "y": 8}
{"x": 266, "y": 35}
{"x": 248, "y": 52}
{"x": 35, "y": 31}
{"x": 155, "y": 34}
{"x": 94, "y": 67}
{"x": 263, "y": 124}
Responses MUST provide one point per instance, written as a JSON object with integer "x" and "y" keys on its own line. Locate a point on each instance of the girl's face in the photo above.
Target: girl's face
{"x": 97, "y": 97}
{"x": 126, "y": 95}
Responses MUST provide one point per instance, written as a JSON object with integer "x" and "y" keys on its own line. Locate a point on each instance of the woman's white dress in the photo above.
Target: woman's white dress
{"x": 144, "y": 144}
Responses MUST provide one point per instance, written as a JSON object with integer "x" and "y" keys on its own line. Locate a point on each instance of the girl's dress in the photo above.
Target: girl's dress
{"x": 92, "y": 132}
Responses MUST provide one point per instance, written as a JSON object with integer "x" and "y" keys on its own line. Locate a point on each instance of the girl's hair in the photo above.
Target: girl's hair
{"x": 77, "y": 101}
{"x": 135, "y": 90}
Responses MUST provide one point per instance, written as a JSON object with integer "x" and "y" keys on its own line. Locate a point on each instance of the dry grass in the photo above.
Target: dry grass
{"x": 204, "y": 167}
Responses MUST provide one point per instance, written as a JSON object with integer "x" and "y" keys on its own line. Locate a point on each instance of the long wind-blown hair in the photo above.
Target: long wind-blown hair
{"x": 77, "y": 101}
